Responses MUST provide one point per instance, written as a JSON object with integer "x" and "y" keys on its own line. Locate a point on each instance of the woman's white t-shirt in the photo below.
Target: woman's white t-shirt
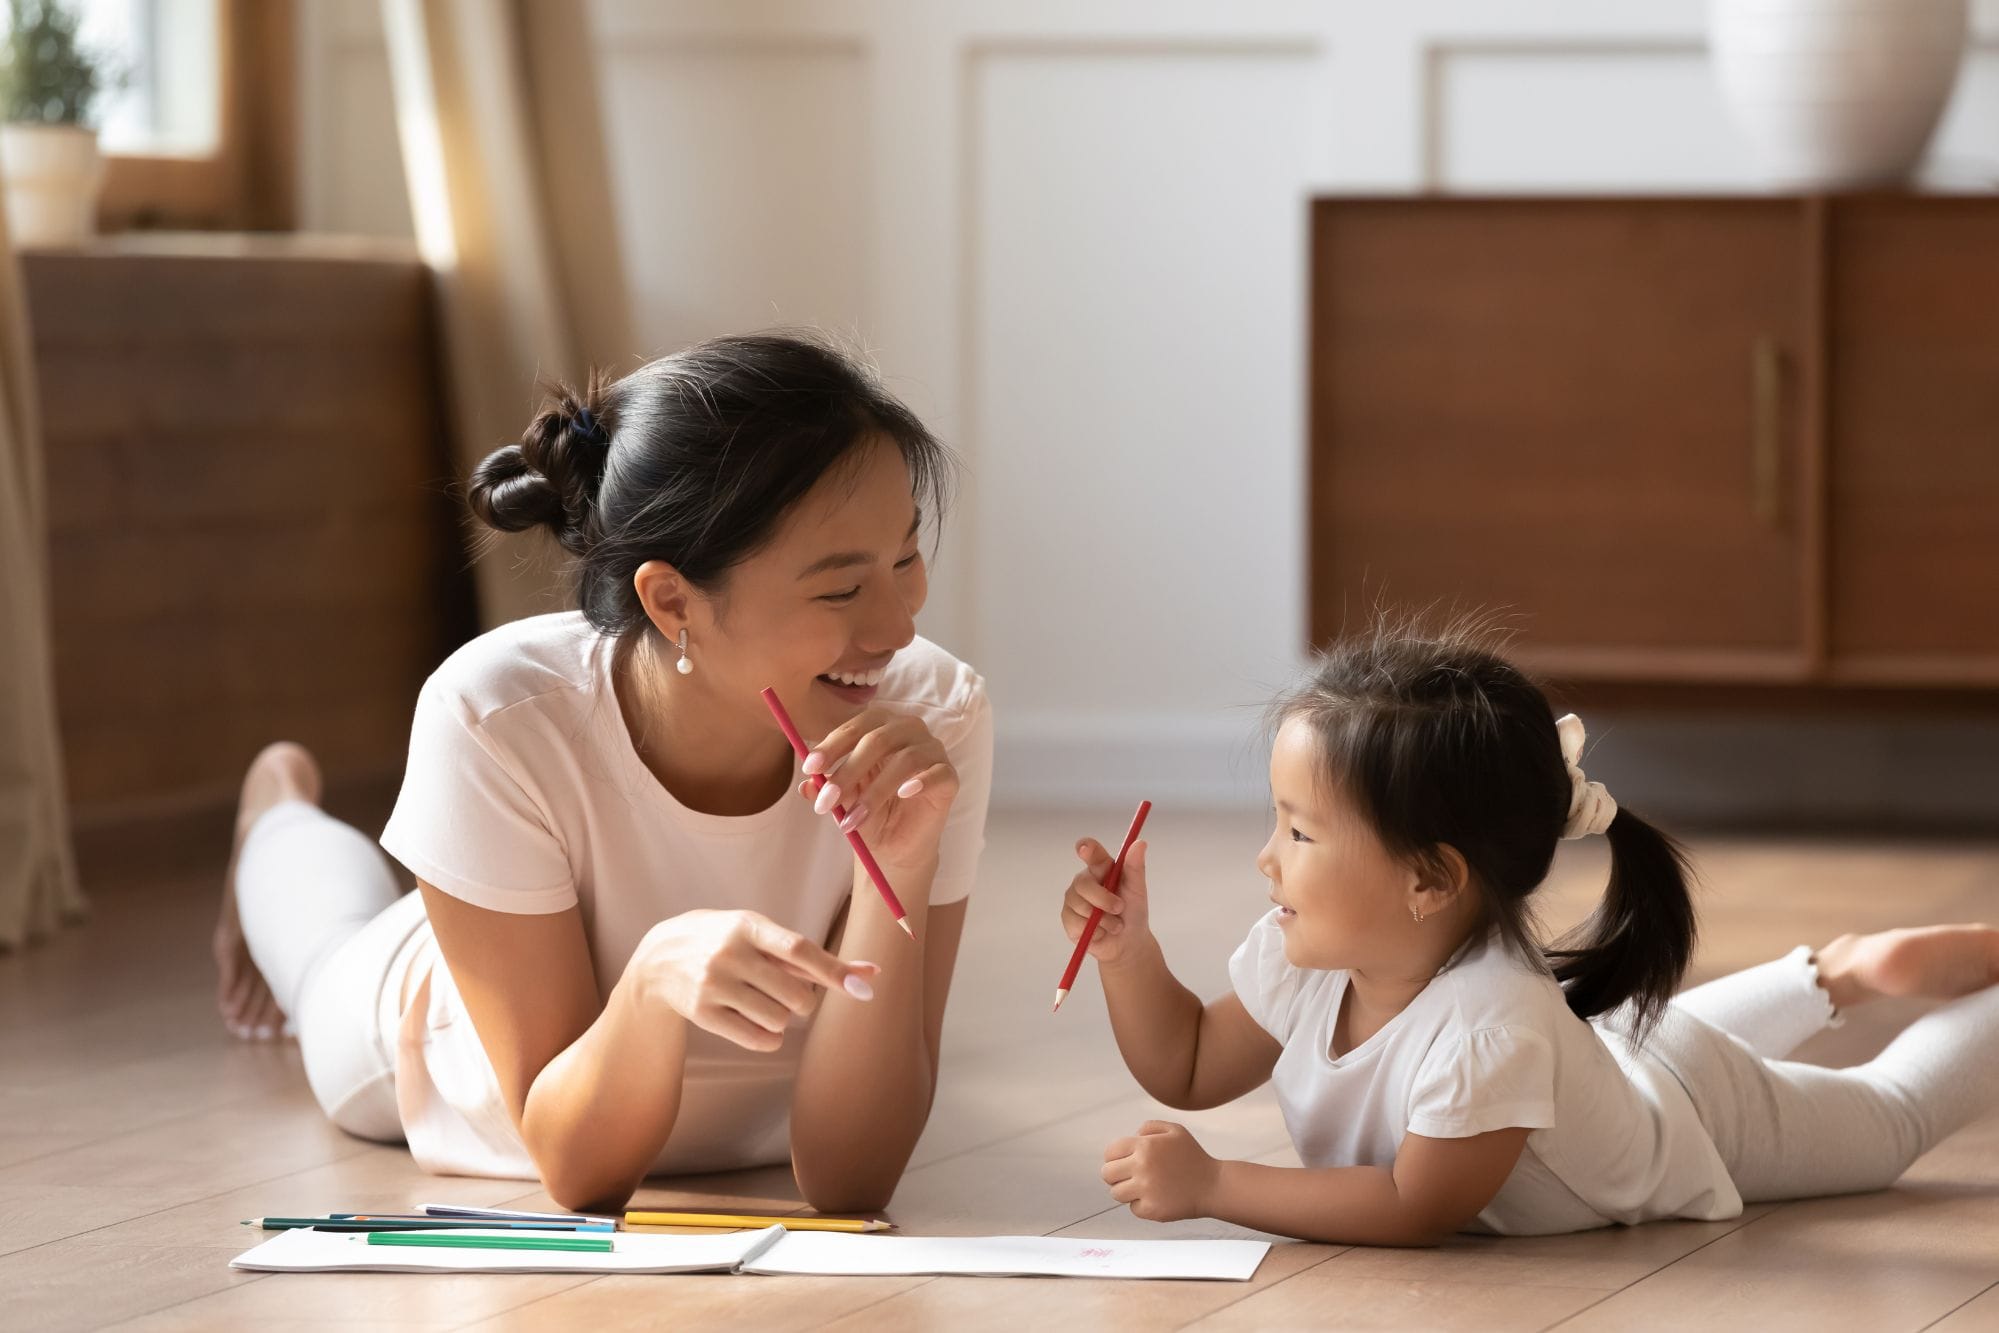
{"x": 1489, "y": 1044}
{"x": 525, "y": 794}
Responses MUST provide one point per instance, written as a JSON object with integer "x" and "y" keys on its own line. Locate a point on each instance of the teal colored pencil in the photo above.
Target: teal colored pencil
{"x": 452, "y": 1240}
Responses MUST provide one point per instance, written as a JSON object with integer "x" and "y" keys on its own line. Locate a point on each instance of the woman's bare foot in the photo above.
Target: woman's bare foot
{"x": 1940, "y": 962}
{"x": 280, "y": 772}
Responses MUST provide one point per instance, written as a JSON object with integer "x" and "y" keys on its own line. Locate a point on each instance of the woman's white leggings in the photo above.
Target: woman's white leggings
{"x": 328, "y": 924}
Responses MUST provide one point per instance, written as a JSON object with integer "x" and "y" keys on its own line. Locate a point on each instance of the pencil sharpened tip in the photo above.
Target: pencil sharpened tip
{"x": 1060, "y": 996}
{"x": 907, "y": 929}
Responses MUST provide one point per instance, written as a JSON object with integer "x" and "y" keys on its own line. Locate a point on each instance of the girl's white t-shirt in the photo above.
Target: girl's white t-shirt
{"x": 1489, "y": 1044}
{"x": 524, "y": 794}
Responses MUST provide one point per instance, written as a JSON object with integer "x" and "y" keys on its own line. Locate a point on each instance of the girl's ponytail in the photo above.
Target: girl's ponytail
{"x": 1439, "y": 741}
{"x": 1637, "y": 943}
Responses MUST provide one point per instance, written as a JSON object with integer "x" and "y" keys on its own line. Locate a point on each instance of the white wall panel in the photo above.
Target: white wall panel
{"x": 744, "y": 175}
{"x": 1136, "y": 324}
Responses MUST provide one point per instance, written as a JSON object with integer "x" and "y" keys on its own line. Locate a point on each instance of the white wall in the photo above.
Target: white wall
{"x": 1073, "y": 232}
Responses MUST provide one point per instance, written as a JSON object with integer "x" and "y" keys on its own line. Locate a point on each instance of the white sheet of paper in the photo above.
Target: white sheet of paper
{"x": 775, "y": 1250}
{"x": 308, "y": 1251}
{"x": 827, "y": 1253}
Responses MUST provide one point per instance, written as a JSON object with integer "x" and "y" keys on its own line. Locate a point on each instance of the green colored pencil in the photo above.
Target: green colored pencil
{"x": 455, "y": 1240}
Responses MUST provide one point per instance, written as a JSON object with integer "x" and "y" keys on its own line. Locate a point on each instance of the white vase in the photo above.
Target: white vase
{"x": 52, "y": 174}
{"x": 1837, "y": 94}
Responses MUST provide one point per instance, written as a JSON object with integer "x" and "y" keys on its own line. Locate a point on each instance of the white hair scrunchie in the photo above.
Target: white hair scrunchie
{"x": 1590, "y": 807}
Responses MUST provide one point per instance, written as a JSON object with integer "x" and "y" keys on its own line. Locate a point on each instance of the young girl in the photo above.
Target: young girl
{"x": 1437, "y": 1068}
{"x": 632, "y": 949}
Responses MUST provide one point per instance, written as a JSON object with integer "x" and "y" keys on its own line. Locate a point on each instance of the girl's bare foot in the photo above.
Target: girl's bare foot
{"x": 1940, "y": 962}
{"x": 280, "y": 772}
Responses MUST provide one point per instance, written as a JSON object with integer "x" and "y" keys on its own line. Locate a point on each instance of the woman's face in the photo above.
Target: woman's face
{"x": 818, "y": 613}
{"x": 1344, "y": 900}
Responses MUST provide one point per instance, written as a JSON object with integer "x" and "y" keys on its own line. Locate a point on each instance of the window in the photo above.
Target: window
{"x": 201, "y": 130}
{"x": 169, "y": 102}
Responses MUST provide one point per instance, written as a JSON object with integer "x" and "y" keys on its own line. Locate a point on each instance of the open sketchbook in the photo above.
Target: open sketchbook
{"x": 775, "y": 1250}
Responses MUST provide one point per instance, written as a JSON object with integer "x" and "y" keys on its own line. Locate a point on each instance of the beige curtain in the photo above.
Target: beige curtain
{"x": 38, "y": 887}
{"x": 504, "y": 152}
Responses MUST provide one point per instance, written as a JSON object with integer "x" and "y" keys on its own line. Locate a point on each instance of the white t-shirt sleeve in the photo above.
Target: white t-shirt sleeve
{"x": 1490, "y": 1078}
{"x": 1265, "y": 980}
{"x": 970, "y": 747}
{"x": 465, "y": 823}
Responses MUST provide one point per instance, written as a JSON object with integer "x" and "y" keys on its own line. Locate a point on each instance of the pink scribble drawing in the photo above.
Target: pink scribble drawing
{"x": 1096, "y": 1252}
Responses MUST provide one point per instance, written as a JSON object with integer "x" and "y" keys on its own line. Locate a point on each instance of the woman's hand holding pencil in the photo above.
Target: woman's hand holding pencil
{"x": 893, "y": 778}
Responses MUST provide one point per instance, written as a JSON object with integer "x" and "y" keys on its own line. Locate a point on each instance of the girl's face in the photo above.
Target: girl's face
{"x": 1344, "y": 901}
{"x": 818, "y": 613}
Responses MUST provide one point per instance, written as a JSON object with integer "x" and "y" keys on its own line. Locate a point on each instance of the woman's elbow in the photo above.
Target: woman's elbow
{"x": 581, "y": 1192}
{"x": 844, "y": 1191}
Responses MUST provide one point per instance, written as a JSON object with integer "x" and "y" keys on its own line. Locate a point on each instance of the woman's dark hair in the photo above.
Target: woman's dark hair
{"x": 1441, "y": 742}
{"x": 694, "y": 459}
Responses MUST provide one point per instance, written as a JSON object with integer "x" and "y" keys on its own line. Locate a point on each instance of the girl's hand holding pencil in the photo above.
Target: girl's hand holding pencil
{"x": 1126, "y": 926}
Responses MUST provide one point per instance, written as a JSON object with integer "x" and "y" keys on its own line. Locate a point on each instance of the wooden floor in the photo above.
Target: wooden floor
{"x": 134, "y": 1136}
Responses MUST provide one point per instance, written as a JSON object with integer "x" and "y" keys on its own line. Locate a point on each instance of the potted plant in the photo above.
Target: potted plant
{"x": 48, "y": 150}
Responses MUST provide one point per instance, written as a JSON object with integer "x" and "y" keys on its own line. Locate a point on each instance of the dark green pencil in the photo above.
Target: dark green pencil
{"x": 456, "y": 1240}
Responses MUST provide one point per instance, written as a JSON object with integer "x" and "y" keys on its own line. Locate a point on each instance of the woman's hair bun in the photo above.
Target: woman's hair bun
{"x": 550, "y": 479}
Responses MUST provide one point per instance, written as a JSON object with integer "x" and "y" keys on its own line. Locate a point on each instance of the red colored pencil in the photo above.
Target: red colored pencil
{"x": 861, "y": 852}
{"x": 1097, "y": 913}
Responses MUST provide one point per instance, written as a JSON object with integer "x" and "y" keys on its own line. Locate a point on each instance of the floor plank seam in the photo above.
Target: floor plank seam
{"x": 490, "y": 1315}
{"x": 1976, "y": 1295}
{"x": 183, "y": 1203}
{"x": 1742, "y": 1224}
{"x": 1031, "y": 1130}
{"x": 1255, "y": 1290}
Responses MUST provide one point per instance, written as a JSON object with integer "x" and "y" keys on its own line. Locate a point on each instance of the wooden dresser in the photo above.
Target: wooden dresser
{"x": 251, "y": 527}
{"x": 1684, "y": 442}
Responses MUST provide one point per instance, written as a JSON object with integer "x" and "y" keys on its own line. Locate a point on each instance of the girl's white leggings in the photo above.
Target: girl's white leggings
{"x": 1788, "y": 1130}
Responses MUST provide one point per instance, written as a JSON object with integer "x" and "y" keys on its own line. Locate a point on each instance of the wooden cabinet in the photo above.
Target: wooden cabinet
{"x": 251, "y": 526}
{"x": 1719, "y": 441}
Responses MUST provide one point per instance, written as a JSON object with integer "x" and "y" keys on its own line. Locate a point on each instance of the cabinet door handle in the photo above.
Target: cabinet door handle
{"x": 1766, "y": 459}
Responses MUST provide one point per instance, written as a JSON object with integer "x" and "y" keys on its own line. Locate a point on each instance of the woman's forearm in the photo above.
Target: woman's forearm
{"x": 1157, "y": 1022}
{"x": 598, "y": 1114}
{"x": 867, "y": 1075}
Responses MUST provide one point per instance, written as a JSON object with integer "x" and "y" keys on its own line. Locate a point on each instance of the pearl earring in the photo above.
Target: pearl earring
{"x": 685, "y": 666}
{"x": 1416, "y": 915}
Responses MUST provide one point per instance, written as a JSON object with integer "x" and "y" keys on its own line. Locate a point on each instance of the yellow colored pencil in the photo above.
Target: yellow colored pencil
{"x": 734, "y": 1220}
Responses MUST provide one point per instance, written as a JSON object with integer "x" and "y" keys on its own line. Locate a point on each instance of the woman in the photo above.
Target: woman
{"x": 668, "y": 959}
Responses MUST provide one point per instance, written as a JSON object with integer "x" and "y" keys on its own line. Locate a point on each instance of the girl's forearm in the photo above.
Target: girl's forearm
{"x": 1157, "y": 1022}
{"x": 1348, "y": 1205}
{"x": 598, "y": 1114}
{"x": 866, "y": 1077}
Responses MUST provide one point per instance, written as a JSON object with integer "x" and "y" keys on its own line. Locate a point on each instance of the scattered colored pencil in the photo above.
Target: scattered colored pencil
{"x": 459, "y": 1241}
{"x": 343, "y": 1222}
{"x": 511, "y": 1214}
{"x": 861, "y": 852}
{"x": 1097, "y": 913}
{"x": 733, "y": 1220}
